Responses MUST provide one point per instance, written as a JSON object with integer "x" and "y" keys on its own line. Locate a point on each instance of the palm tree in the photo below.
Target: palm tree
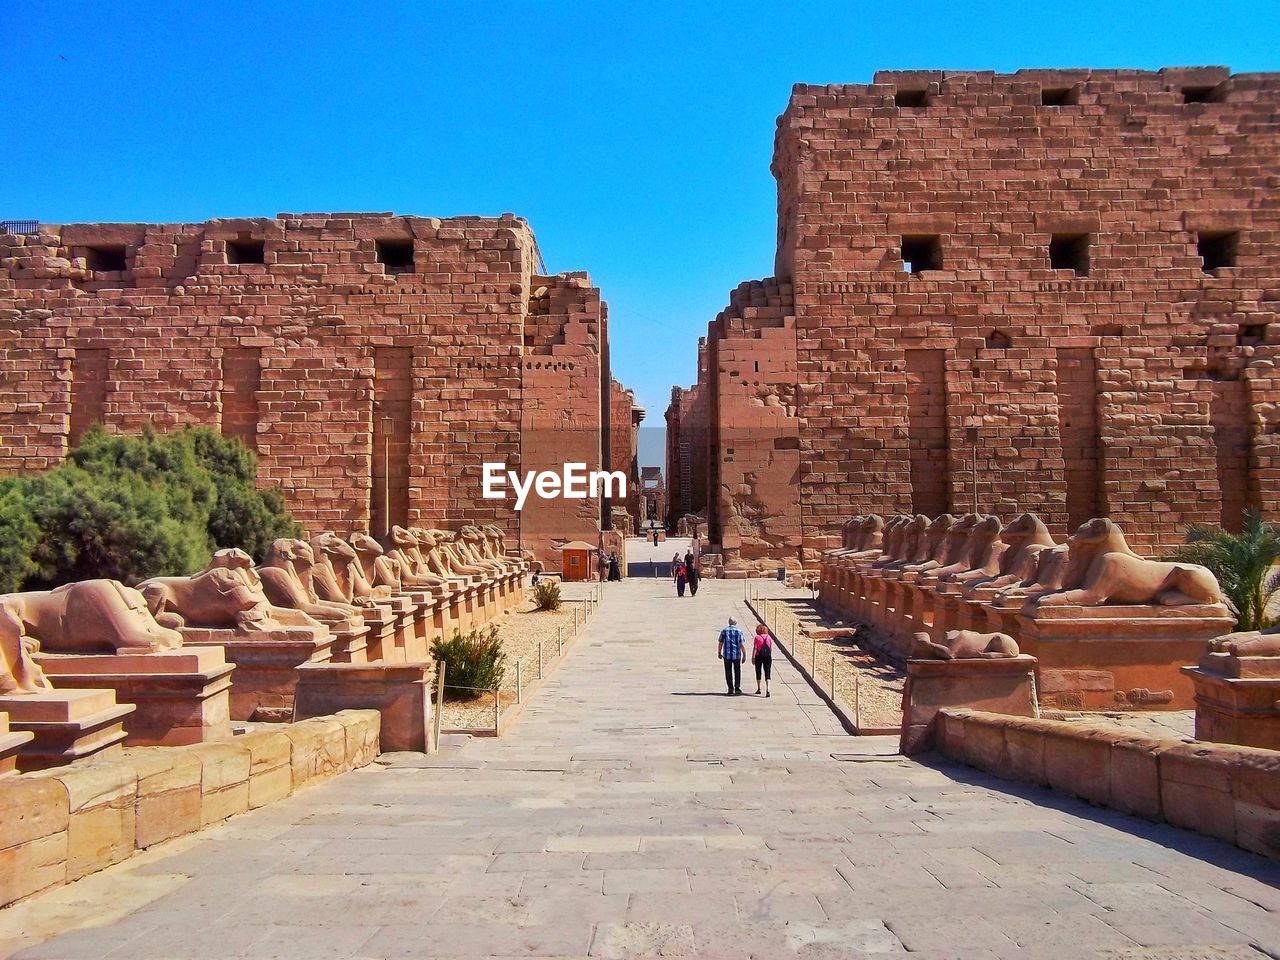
{"x": 1243, "y": 563}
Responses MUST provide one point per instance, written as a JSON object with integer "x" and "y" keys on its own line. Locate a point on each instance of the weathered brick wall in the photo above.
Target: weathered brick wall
{"x": 625, "y": 417}
{"x": 561, "y": 414}
{"x": 360, "y": 341}
{"x": 1126, "y": 381}
{"x": 994, "y": 173}
{"x": 687, "y": 445}
{"x": 754, "y": 442}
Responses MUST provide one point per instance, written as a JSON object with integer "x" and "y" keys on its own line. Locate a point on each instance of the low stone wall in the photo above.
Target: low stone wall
{"x": 1222, "y": 790}
{"x": 62, "y": 824}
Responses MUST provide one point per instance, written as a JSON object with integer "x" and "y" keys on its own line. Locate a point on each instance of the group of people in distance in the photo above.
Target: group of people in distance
{"x": 731, "y": 648}
{"x": 684, "y": 571}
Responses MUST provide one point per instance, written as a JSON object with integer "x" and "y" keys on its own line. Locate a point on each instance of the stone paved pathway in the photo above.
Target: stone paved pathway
{"x": 635, "y": 812}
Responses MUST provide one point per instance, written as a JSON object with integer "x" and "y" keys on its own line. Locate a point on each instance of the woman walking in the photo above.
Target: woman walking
{"x": 682, "y": 578}
{"x": 762, "y": 656}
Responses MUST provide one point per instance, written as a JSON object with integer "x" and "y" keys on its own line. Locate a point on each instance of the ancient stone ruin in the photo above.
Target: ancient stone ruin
{"x": 1051, "y": 291}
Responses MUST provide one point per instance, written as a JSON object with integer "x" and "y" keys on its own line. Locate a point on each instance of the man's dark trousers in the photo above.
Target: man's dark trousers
{"x": 733, "y": 675}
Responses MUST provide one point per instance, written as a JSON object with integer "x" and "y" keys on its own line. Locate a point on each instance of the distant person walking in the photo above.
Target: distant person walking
{"x": 655, "y": 537}
{"x": 614, "y": 572}
{"x": 762, "y": 656}
{"x": 681, "y": 578}
{"x": 691, "y": 573}
{"x": 729, "y": 649}
{"x": 602, "y": 563}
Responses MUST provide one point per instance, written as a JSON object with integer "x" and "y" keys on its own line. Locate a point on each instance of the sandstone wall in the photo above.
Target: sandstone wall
{"x": 1065, "y": 350}
{"x": 373, "y": 361}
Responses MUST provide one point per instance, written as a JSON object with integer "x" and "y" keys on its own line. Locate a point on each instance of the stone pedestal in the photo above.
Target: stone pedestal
{"x": 997, "y": 686}
{"x": 350, "y": 645}
{"x": 267, "y": 665}
{"x": 400, "y": 692}
{"x": 182, "y": 696}
{"x": 380, "y": 627}
{"x": 1237, "y": 699}
{"x": 67, "y": 725}
{"x": 11, "y": 742}
{"x": 1118, "y": 657}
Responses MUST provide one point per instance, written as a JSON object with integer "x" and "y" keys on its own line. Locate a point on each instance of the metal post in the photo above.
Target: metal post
{"x": 793, "y": 636}
{"x": 497, "y": 712}
{"x": 439, "y": 705}
{"x": 519, "y": 692}
{"x": 813, "y": 659}
{"x": 833, "y": 678}
{"x": 539, "y": 659}
{"x": 560, "y": 640}
{"x": 857, "y": 720}
{"x": 575, "y": 621}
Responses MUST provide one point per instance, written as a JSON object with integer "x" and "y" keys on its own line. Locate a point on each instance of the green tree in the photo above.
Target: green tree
{"x": 132, "y": 507}
{"x": 1243, "y": 562}
{"x": 18, "y": 533}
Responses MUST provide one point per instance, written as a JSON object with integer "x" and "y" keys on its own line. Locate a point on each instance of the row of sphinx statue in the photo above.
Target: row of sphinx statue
{"x": 300, "y": 583}
{"x": 1020, "y": 563}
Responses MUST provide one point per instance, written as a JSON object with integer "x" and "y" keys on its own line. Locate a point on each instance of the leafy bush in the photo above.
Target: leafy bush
{"x": 18, "y": 534}
{"x": 132, "y": 507}
{"x": 474, "y": 662}
{"x": 1243, "y": 563}
{"x": 546, "y": 595}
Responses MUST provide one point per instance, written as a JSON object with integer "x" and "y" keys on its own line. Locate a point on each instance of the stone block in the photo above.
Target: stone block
{"x": 999, "y": 686}
{"x": 1077, "y": 761}
{"x": 168, "y": 794}
{"x": 180, "y": 696}
{"x": 66, "y": 725}
{"x": 100, "y": 806}
{"x": 270, "y": 766}
{"x": 224, "y": 779}
{"x": 318, "y": 748}
{"x": 400, "y": 692}
{"x": 1025, "y": 744}
{"x": 362, "y": 736}
{"x": 33, "y": 836}
{"x": 1135, "y": 776}
{"x": 1196, "y": 787}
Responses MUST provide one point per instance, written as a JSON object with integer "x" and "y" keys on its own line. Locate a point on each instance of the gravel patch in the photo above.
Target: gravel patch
{"x": 868, "y": 688}
{"x": 521, "y": 632}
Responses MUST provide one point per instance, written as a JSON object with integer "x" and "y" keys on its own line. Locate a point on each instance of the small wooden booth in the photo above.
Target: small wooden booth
{"x": 576, "y": 560}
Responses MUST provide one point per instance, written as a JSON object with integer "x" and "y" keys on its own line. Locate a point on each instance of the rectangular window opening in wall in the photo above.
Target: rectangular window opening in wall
{"x": 1203, "y": 94}
{"x": 106, "y": 258}
{"x": 246, "y": 251}
{"x": 396, "y": 256}
{"x": 1070, "y": 251}
{"x": 920, "y": 253}
{"x": 914, "y": 99}
{"x": 1059, "y": 96}
{"x": 1217, "y": 249}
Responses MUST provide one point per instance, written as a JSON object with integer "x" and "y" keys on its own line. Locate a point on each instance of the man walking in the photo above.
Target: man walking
{"x": 730, "y": 650}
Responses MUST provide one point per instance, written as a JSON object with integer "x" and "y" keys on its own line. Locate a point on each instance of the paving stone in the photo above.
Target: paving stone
{"x": 634, "y": 819}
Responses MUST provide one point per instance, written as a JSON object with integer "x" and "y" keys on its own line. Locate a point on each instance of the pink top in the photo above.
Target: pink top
{"x": 763, "y": 642}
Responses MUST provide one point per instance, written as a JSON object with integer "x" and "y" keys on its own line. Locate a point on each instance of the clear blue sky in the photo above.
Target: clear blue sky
{"x": 635, "y": 137}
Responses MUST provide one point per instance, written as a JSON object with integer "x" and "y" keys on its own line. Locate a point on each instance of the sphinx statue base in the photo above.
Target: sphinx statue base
{"x": 1237, "y": 699}
{"x": 1005, "y": 685}
{"x": 1122, "y": 657}
{"x": 266, "y": 663}
{"x": 400, "y": 692}
{"x": 182, "y": 696}
{"x": 66, "y": 725}
{"x": 11, "y": 743}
